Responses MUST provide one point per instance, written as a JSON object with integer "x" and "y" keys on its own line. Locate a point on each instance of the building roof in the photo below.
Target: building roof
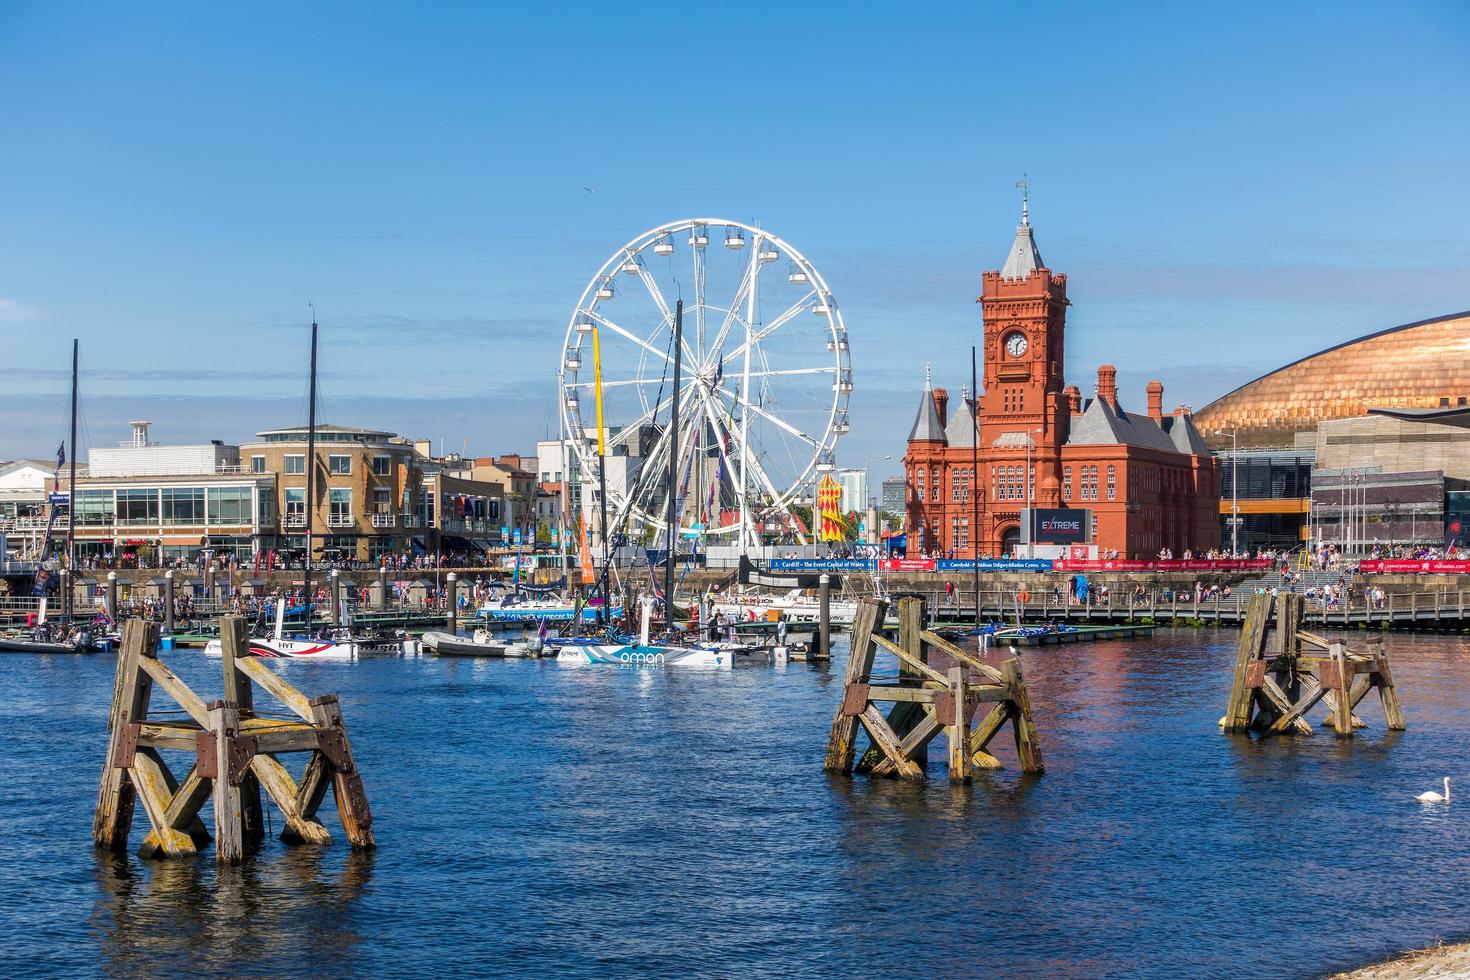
{"x": 926, "y": 423}
{"x": 1415, "y": 365}
{"x": 960, "y": 433}
{"x": 1024, "y": 258}
{"x": 322, "y": 427}
{"x": 1185, "y": 436}
{"x": 1102, "y": 425}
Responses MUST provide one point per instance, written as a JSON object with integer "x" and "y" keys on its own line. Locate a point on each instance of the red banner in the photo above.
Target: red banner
{"x": 907, "y": 564}
{"x": 1165, "y": 565}
{"x": 1410, "y": 565}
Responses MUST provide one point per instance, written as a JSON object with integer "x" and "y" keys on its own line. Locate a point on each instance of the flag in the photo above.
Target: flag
{"x": 541, "y": 630}
{"x": 60, "y": 455}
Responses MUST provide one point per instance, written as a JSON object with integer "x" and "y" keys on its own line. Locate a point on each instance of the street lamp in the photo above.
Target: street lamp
{"x": 868, "y": 488}
{"x": 1234, "y": 492}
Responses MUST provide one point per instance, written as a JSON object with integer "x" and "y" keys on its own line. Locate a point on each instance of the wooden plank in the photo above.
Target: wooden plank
{"x": 961, "y": 656}
{"x": 1284, "y": 707}
{"x": 224, "y": 722}
{"x": 276, "y": 740}
{"x": 914, "y": 663}
{"x": 1238, "y": 710}
{"x": 1393, "y": 711}
{"x": 347, "y": 787}
{"x": 130, "y": 696}
{"x": 920, "y": 695}
{"x": 163, "y": 736}
{"x": 1313, "y": 639}
{"x": 296, "y": 702}
{"x": 313, "y": 787}
{"x": 982, "y": 733}
{"x": 156, "y": 789}
{"x": 1342, "y": 720}
{"x": 1028, "y": 744}
{"x": 841, "y": 743}
{"x": 279, "y": 785}
{"x": 913, "y": 746}
{"x": 175, "y": 688}
{"x": 958, "y": 731}
{"x": 888, "y": 743}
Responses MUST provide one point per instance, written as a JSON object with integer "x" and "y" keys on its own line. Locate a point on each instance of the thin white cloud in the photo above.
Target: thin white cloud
{"x": 13, "y": 311}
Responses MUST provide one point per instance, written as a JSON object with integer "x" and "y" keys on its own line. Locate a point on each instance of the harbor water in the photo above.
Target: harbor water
{"x": 539, "y": 819}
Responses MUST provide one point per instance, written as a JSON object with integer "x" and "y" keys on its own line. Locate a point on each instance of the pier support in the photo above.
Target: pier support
{"x": 383, "y": 587}
{"x": 112, "y": 596}
{"x": 168, "y": 601}
{"x": 452, "y": 614}
{"x": 824, "y": 617}
{"x": 232, "y": 752}
{"x": 1272, "y": 691}
{"x": 925, "y": 702}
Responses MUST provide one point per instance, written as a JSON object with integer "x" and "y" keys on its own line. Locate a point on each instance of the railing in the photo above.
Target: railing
{"x": 340, "y": 520}
{"x": 413, "y": 520}
{"x": 294, "y": 520}
{"x": 384, "y": 520}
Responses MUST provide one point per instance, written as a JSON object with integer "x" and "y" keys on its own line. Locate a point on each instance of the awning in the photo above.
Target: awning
{"x": 452, "y": 543}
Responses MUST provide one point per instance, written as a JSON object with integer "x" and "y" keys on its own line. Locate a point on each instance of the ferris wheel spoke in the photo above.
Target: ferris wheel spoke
{"x": 615, "y": 328}
{"x": 753, "y": 461}
{"x": 770, "y": 328}
{"x": 616, "y": 384}
{"x": 771, "y": 373}
{"x": 732, "y": 315}
{"x": 773, "y": 419}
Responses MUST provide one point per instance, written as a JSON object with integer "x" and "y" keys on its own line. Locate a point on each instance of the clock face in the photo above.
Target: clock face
{"x": 1016, "y": 344}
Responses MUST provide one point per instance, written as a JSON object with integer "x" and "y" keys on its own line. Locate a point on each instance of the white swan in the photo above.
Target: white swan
{"x": 1432, "y": 797}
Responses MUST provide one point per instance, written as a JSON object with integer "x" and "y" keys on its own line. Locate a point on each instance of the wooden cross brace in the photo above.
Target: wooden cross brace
{"x": 234, "y": 755}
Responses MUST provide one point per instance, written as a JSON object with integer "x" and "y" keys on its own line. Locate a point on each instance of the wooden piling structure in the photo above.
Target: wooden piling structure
{"x": 924, "y": 703}
{"x": 233, "y": 752}
{"x": 1272, "y": 691}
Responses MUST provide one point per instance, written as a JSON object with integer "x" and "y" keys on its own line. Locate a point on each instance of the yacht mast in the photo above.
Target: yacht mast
{"x": 310, "y": 469}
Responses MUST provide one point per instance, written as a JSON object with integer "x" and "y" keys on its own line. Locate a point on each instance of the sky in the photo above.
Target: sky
{"x": 1228, "y": 188}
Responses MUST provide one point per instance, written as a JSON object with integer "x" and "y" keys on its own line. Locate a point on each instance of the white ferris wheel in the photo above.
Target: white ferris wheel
{"x": 764, "y": 386}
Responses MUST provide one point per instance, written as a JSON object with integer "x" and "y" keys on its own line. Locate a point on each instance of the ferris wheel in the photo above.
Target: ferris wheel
{"x": 764, "y": 370}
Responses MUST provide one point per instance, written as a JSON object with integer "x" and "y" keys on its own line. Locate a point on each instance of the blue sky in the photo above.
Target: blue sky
{"x": 1228, "y": 188}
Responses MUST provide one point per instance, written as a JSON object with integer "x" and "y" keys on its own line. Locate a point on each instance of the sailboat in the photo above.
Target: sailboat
{"x": 340, "y": 646}
{"x": 280, "y": 646}
{"x": 642, "y": 652}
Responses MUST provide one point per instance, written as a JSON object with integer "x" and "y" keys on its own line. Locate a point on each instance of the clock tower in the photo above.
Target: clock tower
{"x": 1025, "y": 311}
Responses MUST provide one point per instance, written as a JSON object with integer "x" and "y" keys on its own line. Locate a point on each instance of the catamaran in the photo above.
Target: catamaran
{"x": 642, "y": 652}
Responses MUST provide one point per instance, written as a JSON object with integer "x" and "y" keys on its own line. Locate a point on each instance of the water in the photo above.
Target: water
{"x": 537, "y": 819}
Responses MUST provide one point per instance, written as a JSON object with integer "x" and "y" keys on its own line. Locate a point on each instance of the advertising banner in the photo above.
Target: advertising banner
{"x": 995, "y": 564}
{"x": 1058, "y": 525}
{"x": 821, "y": 565}
{"x": 908, "y": 564}
{"x": 1166, "y": 565}
{"x": 1409, "y": 565}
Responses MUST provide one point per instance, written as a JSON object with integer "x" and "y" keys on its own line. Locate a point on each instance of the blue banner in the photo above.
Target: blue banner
{"x": 822, "y": 565}
{"x": 995, "y": 564}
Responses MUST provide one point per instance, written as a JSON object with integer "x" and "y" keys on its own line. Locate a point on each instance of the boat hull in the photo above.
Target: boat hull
{"x": 270, "y": 648}
{"x": 633, "y": 655}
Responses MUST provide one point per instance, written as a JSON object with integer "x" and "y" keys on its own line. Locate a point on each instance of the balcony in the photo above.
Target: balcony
{"x": 294, "y": 520}
{"x": 413, "y": 520}
{"x": 341, "y": 520}
{"x": 385, "y": 520}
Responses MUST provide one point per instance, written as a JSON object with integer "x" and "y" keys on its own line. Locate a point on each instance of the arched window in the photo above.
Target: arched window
{"x": 934, "y": 485}
{"x": 1066, "y": 483}
{"x": 1112, "y": 482}
{"x": 919, "y": 483}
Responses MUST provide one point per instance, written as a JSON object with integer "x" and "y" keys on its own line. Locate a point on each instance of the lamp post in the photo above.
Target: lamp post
{"x": 868, "y": 488}
{"x": 1030, "y": 498}
{"x": 1234, "y": 491}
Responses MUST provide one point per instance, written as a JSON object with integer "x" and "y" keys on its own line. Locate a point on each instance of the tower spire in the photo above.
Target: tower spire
{"x": 1024, "y": 257}
{"x": 928, "y": 381}
{"x": 1025, "y": 186}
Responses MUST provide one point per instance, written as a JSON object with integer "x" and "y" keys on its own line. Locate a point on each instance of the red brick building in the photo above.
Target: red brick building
{"x": 1148, "y": 480}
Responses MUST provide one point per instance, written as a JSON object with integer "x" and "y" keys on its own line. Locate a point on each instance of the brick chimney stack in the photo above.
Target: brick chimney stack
{"x": 1156, "y": 401}
{"x": 1074, "y": 399}
{"x": 1107, "y": 385}
{"x": 941, "y": 405}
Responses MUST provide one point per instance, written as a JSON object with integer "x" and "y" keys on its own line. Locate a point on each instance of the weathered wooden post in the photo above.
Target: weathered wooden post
{"x": 958, "y": 730}
{"x": 824, "y": 617}
{"x": 112, "y": 596}
{"x": 235, "y": 645}
{"x": 131, "y": 691}
{"x": 452, "y": 618}
{"x": 383, "y": 587}
{"x": 168, "y": 601}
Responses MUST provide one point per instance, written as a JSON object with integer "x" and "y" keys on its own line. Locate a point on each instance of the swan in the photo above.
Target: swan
{"x": 1432, "y": 797}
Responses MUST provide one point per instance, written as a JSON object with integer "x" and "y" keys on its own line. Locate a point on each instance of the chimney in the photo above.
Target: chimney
{"x": 1074, "y": 399}
{"x": 941, "y": 405}
{"x": 1184, "y": 412}
{"x": 1156, "y": 401}
{"x": 140, "y": 433}
{"x": 1107, "y": 385}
